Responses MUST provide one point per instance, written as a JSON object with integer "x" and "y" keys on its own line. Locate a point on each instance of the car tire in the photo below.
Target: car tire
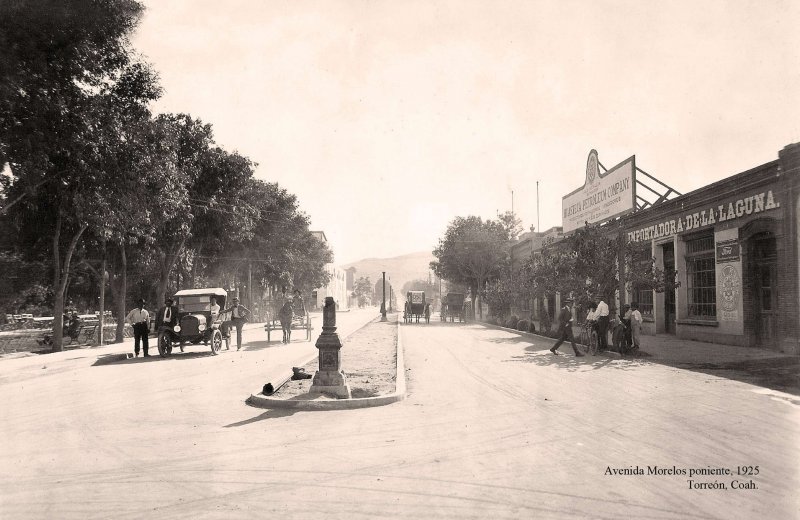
{"x": 216, "y": 342}
{"x": 164, "y": 344}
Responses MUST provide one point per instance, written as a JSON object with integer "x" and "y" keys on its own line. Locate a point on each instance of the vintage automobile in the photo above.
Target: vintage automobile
{"x": 195, "y": 323}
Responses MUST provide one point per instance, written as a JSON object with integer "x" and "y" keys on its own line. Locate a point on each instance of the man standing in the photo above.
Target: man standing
{"x": 636, "y": 324}
{"x": 565, "y": 328}
{"x": 601, "y": 315}
{"x": 139, "y": 320}
{"x": 239, "y": 315}
{"x": 167, "y": 317}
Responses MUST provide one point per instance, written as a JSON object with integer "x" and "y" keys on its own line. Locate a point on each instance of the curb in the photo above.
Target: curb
{"x": 262, "y": 401}
{"x": 606, "y": 353}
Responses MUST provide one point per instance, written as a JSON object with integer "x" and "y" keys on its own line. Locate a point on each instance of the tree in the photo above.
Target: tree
{"x": 472, "y": 252}
{"x": 362, "y": 290}
{"x": 501, "y": 292}
{"x": 282, "y": 249}
{"x": 62, "y": 62}
{"x": 585, "y": 265}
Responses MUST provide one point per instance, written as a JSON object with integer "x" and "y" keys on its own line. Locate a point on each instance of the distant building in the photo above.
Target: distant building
{"x": 336, "y": 287}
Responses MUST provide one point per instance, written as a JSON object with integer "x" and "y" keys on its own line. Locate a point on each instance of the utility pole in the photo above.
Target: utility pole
{"x": 538, "y": 226}
{"x": 383, "y": 301}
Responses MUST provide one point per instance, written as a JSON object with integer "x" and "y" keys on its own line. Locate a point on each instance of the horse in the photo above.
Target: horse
{"x": 285, "y": 315}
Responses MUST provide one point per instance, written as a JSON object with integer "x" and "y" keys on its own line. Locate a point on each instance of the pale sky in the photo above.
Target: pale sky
{"x": 388, "y": 119}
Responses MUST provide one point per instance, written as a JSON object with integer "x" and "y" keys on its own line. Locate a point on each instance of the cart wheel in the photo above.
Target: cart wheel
{"x": 216, "y": 342}
{"x": 164, "y": 344}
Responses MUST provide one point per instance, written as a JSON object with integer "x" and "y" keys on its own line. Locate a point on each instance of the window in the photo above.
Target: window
{"x": 701, "y": 277}
{"x": 645, "y": 299}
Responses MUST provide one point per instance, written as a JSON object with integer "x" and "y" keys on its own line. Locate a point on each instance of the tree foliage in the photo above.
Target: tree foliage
{"x": 472, "y": 252}
{"x": 585, "y": 265}
{"x": 362, "y": 290}
{"x": 95, "y": 176}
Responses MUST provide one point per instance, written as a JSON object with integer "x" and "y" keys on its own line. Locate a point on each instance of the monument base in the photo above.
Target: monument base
{"x": 330, "y": 382}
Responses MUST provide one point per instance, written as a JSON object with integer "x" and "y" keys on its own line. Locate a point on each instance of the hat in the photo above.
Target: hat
{"x": 140, "y": 301}
{"x": 235, "y": 299}
{"x": 168, "y": 299}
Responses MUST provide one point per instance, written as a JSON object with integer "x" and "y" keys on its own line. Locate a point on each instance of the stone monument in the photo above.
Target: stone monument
{"x": 329, "y": 379}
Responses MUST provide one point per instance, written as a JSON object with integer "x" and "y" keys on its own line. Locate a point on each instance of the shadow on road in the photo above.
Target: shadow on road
{"x": 780, "y": 373}
{"x": 269, "y": 414}
{"x": 117, "y": 359}
{"x": 262, "y": 345}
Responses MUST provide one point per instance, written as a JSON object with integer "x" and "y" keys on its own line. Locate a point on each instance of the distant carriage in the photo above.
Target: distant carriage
{"x": 416, "y": 307}
{"x": 454, "y": 307}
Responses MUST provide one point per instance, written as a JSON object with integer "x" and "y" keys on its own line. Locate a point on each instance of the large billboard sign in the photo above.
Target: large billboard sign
{"x": 603, "y": 195}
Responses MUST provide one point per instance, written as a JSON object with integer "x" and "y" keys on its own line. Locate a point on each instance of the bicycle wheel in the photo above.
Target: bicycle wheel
{"x": 583, "y": 340}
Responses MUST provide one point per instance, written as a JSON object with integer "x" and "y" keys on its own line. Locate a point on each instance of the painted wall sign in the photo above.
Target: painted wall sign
{"x": 730, "y": 287}
{"x": 764, "y": 201}
{"x": 728, "y": 251}
{"x": 603, "y": 195}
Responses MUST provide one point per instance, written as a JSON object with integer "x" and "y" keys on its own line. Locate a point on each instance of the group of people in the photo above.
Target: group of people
{"x": 598, "y": 317}
{"x": 167, "y": 316}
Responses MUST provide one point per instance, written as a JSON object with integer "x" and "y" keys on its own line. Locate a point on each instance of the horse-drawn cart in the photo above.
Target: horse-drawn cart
{"x": 453, "y": 307}
{"x": 416, "y": 307}
{"x": 299, "y": 319}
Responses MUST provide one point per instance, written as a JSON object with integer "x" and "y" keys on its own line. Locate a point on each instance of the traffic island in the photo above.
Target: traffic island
{"x": 371, "y": 360}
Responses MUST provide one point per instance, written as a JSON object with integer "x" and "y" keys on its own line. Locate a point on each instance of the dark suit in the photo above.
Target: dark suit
{"x": 565, "y": 330}
{"x": 173, "y": 318}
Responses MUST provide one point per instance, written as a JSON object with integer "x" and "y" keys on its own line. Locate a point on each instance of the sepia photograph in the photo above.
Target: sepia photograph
{"x": 399, "y": 259}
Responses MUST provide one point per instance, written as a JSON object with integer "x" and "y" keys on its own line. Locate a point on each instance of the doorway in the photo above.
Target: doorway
{"x": 763, "y": 272}
{"x": 669, "y": 291}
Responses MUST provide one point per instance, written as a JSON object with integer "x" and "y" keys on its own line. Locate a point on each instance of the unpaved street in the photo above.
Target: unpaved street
{"x": 493, "y": 426}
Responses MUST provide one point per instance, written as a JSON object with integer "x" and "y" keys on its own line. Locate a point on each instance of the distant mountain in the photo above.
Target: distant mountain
{"x": 399, "y": 269}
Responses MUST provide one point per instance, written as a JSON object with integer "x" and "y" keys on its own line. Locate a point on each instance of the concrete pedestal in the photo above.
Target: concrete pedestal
{"x": 329, "y": 379}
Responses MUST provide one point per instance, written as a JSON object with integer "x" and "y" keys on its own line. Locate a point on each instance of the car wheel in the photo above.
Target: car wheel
{"x": 216, "y": 342}
{"x": 164, "y": 344}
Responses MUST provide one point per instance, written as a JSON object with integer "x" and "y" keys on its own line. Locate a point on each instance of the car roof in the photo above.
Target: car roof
{"x": 215, "y": 291}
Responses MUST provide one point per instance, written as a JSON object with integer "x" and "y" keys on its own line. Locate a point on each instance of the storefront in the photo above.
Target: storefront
{"x": 733, "y": 246}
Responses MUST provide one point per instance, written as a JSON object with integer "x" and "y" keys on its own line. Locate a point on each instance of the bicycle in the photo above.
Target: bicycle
{"x": 589, "y": 339}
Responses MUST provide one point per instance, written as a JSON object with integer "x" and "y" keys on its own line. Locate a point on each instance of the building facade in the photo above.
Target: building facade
{"x": 733, "y": 249}
{"x": 733, "y": 246}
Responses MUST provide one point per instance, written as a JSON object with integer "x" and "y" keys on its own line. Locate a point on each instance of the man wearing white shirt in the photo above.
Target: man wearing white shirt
{"x": 214, "y": 309}
{"x": 140, "y": 321}
{"x": 239, "y": 314}
{"x": 601, "y": 315}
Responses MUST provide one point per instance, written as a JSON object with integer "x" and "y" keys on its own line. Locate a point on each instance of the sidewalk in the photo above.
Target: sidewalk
{"x": 18, "y": 359}
{"x": 761, "y": 367}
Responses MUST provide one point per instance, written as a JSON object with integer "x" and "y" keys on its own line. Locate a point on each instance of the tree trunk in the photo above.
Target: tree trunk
{"x": 102, "y": 316}
{"x": 60, "y": 280}
{"x": 167, "y": 263}
{"x": 121, "y": 295}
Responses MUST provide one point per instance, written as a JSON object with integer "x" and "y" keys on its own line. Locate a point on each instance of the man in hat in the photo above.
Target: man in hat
{"x": 239, "y": 315}
{"x": 167, "y": 316}
{"x": 139, "y": 319}
{"x": 565, "y": 328}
